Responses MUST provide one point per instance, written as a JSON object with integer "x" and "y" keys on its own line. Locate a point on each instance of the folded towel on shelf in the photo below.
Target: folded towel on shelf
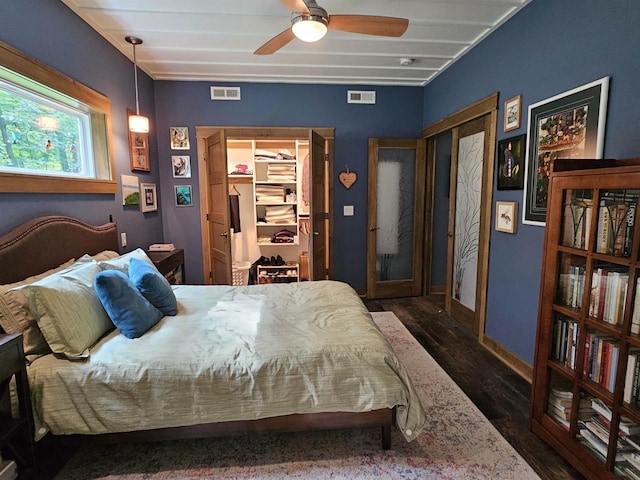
{"x": 280, "y": 214}
{"x": 269, "y": 193}
{"x": 280, "y": 172}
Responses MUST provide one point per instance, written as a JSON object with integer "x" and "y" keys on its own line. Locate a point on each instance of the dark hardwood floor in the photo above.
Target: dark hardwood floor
{"x": 502, "y": 395}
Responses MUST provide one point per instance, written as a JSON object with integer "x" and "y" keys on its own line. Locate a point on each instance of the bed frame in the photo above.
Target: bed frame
{"x": 47, "y": 242}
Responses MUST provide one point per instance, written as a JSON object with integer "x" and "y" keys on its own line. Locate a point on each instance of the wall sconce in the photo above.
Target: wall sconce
{"x": 137, "y": 123}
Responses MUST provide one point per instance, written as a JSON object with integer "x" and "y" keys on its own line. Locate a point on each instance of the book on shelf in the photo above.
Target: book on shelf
{"x": 162, "y": 247}
{"x": 635, "y": 317}
{"x": 601, "y": 359}
{"x": 616, "y": 217}
{"x": 598, "y": 446}
{"x": 630, "y": 468}
{"x": 608, "y": 293}
{"x": 626, "y": 427}
{"x": 577, "y": 221}
{"x": 566, "y": 334}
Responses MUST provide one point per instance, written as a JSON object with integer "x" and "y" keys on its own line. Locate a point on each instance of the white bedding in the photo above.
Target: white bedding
{"x": 231, "y": 353}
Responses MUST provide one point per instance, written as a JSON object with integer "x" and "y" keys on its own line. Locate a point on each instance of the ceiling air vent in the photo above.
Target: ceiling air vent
{"x": 361, "y": 96}
{"x": 225, "y": 93}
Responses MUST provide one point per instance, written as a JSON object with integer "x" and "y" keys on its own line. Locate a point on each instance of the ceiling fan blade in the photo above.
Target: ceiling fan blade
{"x": 369, "y": 25}
{"x": 276, "y": 43}
{"x": 295, "y": 5}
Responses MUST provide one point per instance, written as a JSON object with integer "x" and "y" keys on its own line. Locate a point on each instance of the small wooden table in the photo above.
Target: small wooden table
{"x": 16, "y": 435}
{"x": 170, "y": 264}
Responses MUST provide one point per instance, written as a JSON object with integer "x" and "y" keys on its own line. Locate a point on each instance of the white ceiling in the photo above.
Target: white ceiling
{"x": 214, "y": 40}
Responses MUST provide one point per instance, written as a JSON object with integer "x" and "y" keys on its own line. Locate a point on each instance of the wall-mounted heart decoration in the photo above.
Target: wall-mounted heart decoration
{"x": 348, "y": 178}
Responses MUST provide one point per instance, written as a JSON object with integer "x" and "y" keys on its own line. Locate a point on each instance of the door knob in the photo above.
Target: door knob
{"x": 225, "y": 234}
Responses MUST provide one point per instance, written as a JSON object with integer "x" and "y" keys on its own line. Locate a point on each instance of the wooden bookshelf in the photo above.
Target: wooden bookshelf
{"x": 586, "y": 387}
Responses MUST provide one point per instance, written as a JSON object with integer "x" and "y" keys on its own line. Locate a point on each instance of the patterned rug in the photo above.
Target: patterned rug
{"x": 460, "y": 443}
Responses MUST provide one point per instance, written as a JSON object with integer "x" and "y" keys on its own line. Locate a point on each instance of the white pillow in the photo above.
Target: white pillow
{"x": 68, "y": 310}
{"x": 122, "y": 262}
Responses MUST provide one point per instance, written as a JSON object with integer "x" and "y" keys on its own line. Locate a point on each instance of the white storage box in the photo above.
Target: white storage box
{"x": 240, "y": 274}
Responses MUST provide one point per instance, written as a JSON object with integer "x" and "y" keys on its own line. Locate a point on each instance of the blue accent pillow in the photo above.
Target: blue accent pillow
{"x": 153, "y": 286}
{"x": 129, "y": 311}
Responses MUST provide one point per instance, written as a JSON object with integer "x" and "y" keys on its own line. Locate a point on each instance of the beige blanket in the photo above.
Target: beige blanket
{"x": 231, "y": 353}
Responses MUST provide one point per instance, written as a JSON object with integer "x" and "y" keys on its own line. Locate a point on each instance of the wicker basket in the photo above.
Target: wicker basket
{"x": 240, "y": 273}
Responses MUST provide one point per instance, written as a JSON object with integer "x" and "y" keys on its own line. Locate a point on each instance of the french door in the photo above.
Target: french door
{"x": 396, "y": 186}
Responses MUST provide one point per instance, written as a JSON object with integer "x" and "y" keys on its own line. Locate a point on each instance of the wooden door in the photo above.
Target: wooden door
{"x": 467, "y": 221}
{"x": 319, "y": 207}
{"x": 396, "y": 195}
{"x": 218, "y": 211}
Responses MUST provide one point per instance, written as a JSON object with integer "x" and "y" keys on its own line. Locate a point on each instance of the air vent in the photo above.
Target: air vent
{"x": 361, "y": 96}
{"x": 225, "y": 93}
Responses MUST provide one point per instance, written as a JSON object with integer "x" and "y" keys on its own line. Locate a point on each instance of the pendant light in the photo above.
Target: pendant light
{"x": 137, "y": 123}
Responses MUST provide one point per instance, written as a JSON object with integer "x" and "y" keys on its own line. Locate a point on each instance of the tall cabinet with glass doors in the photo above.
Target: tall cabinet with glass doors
{"x": 586, "y": 388}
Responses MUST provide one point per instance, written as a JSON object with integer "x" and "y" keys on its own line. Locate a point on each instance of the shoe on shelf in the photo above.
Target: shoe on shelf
{"x": 280, "y": 260}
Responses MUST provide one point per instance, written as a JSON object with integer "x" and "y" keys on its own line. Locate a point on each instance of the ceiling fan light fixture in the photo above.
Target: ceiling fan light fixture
{"x": 309, "y": 28}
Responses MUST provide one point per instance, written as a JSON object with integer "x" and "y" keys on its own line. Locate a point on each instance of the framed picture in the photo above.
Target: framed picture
{"x": 149, "y": 197}
{"x": 181, "y": 166}
{"x": 183, "y": 196}
{"x": 506, "y": 216}
{"x": 179, "y": 138}
{"x": 138, "y": 149}
{"x": 569, "y": 125}
{"x": 512, "y": 113}
{"x": 130, "y": 190}
{"x": 511, "y": 163}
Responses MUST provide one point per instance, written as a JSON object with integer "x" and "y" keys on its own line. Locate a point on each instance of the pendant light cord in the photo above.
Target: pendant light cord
{"x": 135, "y": 76}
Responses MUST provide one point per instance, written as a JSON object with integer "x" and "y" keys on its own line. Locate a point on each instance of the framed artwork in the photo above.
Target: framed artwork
{"x": 181, "y": 166}
{"x": 149, "y": 197}
{"x": 130, "y": 190}
{"x": 179, "y": 138}
{"x": 138, "y": 149}
{"x": 569, "y": 125}
{"x": 183, "y": 196}
{"x": 506, "y": 216}
{"x": 512, "y": 113}
{"x": 511, "y": 163}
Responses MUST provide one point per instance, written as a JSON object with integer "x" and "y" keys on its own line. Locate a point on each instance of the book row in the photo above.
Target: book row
{"x": 572, "y": 284}
{"x": 601, "y": 359}
{"x": 616, "y": 218}
{"x": 594, "y": 426}
{"x": 608, "y": 294}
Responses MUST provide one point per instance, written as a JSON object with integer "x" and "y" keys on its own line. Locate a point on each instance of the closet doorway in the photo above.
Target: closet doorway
{"x": 473, "y": 137}
{"x": 265, "y": 195}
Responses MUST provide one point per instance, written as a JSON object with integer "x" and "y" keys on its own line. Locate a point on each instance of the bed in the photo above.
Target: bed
{"x": 276, "y": 357}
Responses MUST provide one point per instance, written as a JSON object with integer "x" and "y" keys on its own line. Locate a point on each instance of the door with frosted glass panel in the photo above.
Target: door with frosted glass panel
{"x": 396, "y": 186}
{"x": 469, "y": 171}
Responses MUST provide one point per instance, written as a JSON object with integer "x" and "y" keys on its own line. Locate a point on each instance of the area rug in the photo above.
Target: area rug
{"x": 460, "y": 443}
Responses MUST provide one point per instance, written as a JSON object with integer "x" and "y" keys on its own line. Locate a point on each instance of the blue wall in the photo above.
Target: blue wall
{"x": 548, "y": 48}
{"x": 397, "y": 113}
{"x": 51, "y": 33}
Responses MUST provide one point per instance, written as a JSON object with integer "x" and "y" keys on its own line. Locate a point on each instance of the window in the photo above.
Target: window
{"x": 55, "y": 132}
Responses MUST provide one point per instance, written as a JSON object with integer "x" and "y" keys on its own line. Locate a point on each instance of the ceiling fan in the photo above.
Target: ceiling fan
{"x": 310, "y": 22}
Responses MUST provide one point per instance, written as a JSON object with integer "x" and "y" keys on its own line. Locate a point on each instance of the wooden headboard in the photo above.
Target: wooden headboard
{"x": 47, "y": 242}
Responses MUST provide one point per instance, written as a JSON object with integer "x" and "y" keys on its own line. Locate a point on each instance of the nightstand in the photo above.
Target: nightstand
{"x": 170, "y": 264}
{"x": 16, "y": 435}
